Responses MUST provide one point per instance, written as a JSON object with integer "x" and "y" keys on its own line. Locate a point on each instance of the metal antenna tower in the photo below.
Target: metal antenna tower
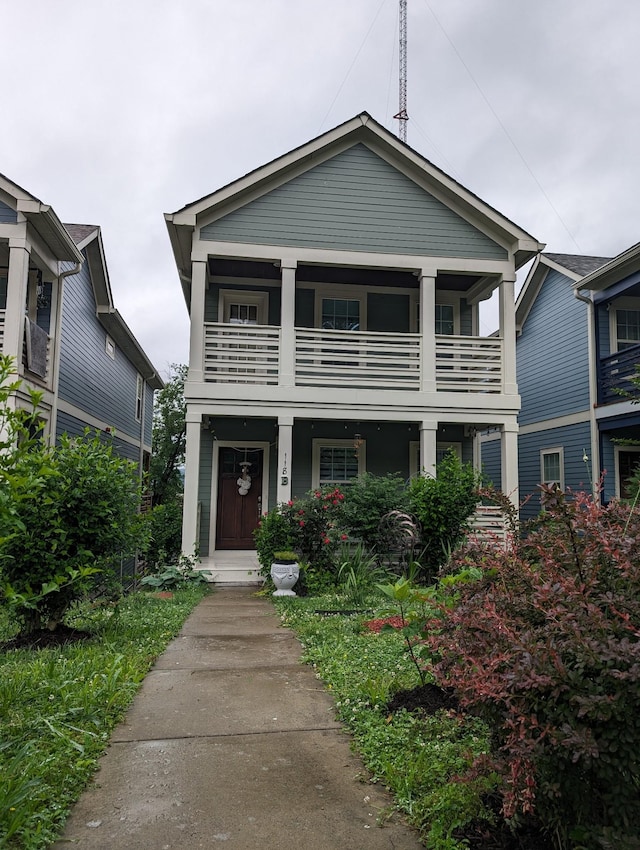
{"x": 402, "y": 115}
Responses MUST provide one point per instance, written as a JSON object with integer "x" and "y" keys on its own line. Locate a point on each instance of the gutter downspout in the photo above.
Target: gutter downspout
{"x": 593, "y": 391}
{"x": 55, "y": 372}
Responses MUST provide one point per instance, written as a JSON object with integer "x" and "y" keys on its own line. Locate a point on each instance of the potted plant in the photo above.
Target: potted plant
{"x": 285, "y": 572}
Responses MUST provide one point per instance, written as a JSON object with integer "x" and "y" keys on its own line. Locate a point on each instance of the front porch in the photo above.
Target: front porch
{"x": 229, "y": 568}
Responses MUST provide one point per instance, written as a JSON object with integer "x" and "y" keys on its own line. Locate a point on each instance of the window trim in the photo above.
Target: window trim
{"x": 109, "y": 347}
{"x": 552, "y": 450}
{"x": 139, "y": 397}
{"x": 616, "y": 464}
{"x": 619, "y": 304}
{"x": 345, "y": 293}
{"x": 226, "y": 297}
{"x": 320, "y": 443}
{"x": 442, "y": 299}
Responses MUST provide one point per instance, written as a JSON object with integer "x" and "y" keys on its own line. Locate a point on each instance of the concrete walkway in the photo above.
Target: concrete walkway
{"x": 231, "y": 742}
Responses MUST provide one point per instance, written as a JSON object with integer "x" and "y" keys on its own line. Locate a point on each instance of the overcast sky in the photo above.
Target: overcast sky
{"x": 117, "y": 111}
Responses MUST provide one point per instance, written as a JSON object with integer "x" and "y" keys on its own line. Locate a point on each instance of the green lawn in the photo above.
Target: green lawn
{"x": 59, "y": 706}
{"x": 417, "y": 757}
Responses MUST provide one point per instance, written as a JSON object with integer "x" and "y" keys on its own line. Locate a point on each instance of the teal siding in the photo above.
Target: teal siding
{"x": 7, "y": 214}
{"x": 574, "y": 439}
{"x": 204, "y": 493}
{"x": 553, "y": 354}
{"x": 354, "y": 201}
{"x": 604, "y": 333}
{"x": 388, "y": 313}
{"x": 466, "y": 318}
{"x": 89, "y": 379}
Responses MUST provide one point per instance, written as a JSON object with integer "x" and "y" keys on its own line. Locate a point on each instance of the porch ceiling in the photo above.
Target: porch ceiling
{"x": 338, "y": 274}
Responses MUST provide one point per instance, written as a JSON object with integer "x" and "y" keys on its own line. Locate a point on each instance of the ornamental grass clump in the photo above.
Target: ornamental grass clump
{"x": 545, "y": 647}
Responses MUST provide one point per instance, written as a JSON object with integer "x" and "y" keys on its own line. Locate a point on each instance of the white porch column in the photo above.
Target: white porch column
{"x": 196, "y": 313}
{"x": 428, "y": 441}
{"x": 286, "y": 377}
{"x": 285, "y": 448}
{"x": 509, "y": 461}
{"x": 428, "y": 332}
{"x": 17, "y": 281}
{"x": 508, "y": 334}
{"x": 190, "y": 530}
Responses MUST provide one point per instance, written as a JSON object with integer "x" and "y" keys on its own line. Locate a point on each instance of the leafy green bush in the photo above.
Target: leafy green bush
{"x": 369, "y": 498}
{"x": 443, "y": 505}
{"x": 546, "y": 648}
{"x": 82, "y": 521}
{"x": 180, "y": 575}
{"x": 164, "y": 525}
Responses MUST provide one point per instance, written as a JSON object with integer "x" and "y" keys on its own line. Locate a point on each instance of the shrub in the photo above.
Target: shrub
{"x": 311, "y": 526}
{"x": 545, "y": 647}
{"x": 164, "y": 523}
{"x": 443, "y": 505}
{"x": 82, "y": 521}
{"x": 367, "y": 500}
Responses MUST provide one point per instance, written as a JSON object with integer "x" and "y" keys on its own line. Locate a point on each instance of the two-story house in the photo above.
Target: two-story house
{"x": 578, "y": 320}
{"x": 59, "y": 324}
{"x": 334, "y": 300}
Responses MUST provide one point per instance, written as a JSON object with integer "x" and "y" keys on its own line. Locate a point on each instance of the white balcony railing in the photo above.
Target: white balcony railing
{"x": 250, "y": 354}
{"x": 469, "y": 363}
{"x": 241, "y": 354}
{"x": 357, "y": 359}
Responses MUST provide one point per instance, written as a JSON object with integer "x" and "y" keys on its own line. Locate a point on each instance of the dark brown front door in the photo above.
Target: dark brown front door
{"x": 239, "y": 499}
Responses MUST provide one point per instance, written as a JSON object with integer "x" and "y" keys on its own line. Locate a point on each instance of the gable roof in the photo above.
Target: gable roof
{"x": 573, "y": 266}
{"x": 89, "y": 239}
{"x": 614, "y": 270}
{"x": 44, "y": 221}
{"x": 362, "y": 129}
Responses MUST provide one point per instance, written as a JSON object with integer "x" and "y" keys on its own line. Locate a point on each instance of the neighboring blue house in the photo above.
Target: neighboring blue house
{"x": 334, "y": 299}
{"x": 578, "y": 340}
{"x": 59, "y": 323}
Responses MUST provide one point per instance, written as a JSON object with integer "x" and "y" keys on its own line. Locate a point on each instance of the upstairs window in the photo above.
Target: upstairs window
{"x": 444, "y": 319}
{"x": 627, "y": 328}
{"x": 139, "y": 397}
{"x": 243, "y": 314}
{"x": 340, "y": 314}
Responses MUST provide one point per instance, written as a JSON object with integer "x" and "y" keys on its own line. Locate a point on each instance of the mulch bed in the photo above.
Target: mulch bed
{"x": 46, "y": 639}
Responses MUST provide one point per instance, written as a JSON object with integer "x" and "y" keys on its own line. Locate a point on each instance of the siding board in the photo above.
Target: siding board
{"x": 355, "y": 201}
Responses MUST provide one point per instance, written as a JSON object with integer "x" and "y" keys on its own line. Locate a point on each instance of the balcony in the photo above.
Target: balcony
{"x": 614, "y": 374}
{"x": 252, "y": 354}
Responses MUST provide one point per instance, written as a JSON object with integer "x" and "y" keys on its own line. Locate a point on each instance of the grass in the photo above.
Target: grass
{"x": 418, "y": 758}
{"x": 59, "y": 706}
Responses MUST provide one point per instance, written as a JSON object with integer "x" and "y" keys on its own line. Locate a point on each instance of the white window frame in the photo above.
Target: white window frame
{"x": 345, "y": 293}
{"x": 559, "y": 450}
{"x": 139, "y": 397}
{"x": 319, "y": 444}
{"x": 441, "y": 446}
{"x": 619, "y": 304}
{"x": 227, "y": 297}
{"x": 616, "y": 463}
{"x": 109, "y": 347}
{"x": 442, "y": 299}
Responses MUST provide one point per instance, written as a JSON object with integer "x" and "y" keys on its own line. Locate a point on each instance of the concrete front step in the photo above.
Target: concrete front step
{"x": 233, "y": 568}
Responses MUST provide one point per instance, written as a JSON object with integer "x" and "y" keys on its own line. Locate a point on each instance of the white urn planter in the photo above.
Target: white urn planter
{"x": 285, "y": 572}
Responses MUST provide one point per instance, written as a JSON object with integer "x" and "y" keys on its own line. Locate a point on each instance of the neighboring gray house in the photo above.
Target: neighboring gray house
{"x": 334, "y": 299}
{"x": 578, "y": 341}
{"x": 59, "y": 324}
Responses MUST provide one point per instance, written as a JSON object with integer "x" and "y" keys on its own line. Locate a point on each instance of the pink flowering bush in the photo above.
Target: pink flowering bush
{"x": 311, "y": 526}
